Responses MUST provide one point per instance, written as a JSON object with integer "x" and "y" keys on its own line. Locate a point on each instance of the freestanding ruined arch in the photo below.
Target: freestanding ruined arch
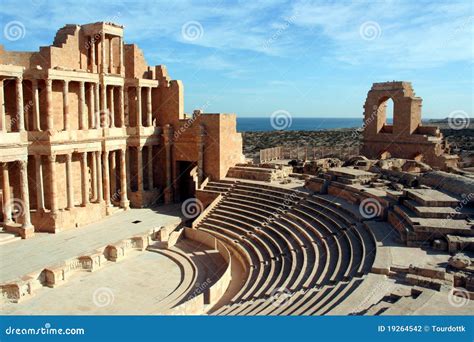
{"x": 406, "y": 138}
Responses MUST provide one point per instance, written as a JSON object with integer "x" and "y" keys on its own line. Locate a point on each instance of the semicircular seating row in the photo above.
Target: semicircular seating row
{"x": 304, "y": 255}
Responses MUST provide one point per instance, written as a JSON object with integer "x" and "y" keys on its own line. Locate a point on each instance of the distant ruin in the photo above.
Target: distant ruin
{"x": 406, "y": 138}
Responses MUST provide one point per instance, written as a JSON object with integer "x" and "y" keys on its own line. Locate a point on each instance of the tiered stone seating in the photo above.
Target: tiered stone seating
{"x": 310, "y": 246}
{"x": 201, "y": 265}
{"x": 190, "y": 275}
{"x": 221, "y": 186}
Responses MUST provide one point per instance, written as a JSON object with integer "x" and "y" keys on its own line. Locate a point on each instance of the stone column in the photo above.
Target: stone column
{"x": 92, "y": 120}
{"x": 168, "y": 137}
{"x": 82, "y": 105}
{"x": 121, "y": 55}
{"x": 92, "y": 53}
{"x": 150, "y": 167}
{"x": 127, "y": 162}
{"x": 96, "y": 105}
{"x": 124, "y": 202}
{"x": 111, "y": 55}
{"x": 106, "y": 177}
{"x": 126, "y": 107}
{"x": 100, "y": 191}
{"x": 94, "y": 177}
{"x": 6, "y": 191}
{"x": 36, "y": 106}
{"x": 139, "y": 106}
{"x": 148, "y": 107}
{"x": 103, "y": 106}
{"x": 102, "y": 47}
{"x": 85, "y": 180}
{"x": 67, "y": 124}
{"x": 113, "y": 175}
{"x": 111, "y": 107}
{"x": 121, "y": 107}
{"x": 39, "y": 182}
{"x": 49, "y": 105}
{"x": 69, "y": 185}
{"x": 3, "y": 126}
{"x": 140, "y": 168}
{"x": 19, "y": 104}
{"x": 201, "y": 147}
{"x": 25, "y": 196}
{"x": 53, "y": 193}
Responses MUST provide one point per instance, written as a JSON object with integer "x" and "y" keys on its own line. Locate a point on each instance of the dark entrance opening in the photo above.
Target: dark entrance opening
{"x": 185, "y": 181}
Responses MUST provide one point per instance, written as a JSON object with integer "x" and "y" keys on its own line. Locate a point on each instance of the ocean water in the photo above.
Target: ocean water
{"x": 295, "y": 124}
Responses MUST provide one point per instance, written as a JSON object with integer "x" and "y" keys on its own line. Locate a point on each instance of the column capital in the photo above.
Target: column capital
{"x": 168, "y": 133}
{"x": 19, "y": 79}
{"x": 52, "y": 158}
{"x": 69, "y": 157}
{"x": 23, "y": 164}
{"x": 65, "y": 82}
{"x": 49, "y": 82}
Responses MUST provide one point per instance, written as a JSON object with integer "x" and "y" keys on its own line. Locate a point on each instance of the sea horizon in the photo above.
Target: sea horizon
{"x": 266, "y": 124}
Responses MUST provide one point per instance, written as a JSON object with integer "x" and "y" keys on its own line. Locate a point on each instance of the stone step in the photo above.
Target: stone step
{"x": 438, "y": 212}
{"x": 431, "y": 198}
{"x": 6, "y": 237}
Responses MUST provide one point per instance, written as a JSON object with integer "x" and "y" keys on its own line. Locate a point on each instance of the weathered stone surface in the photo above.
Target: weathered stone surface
{"x": 460, "y": 261}
{"x": 88, "y": 128}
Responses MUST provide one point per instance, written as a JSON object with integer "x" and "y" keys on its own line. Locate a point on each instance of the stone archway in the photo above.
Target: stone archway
{"x": 406, "y": 109}
{"x": 405, "y": 138}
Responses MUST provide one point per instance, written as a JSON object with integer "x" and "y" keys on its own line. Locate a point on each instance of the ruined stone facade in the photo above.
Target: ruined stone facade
{"x": 88, "y": 128}
{"x": 406, "y": 138}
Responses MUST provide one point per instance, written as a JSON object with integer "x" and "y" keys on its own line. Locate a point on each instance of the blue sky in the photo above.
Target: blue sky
{"x": 308, "y": 58}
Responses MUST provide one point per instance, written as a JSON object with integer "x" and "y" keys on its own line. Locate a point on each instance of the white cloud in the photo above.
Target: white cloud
{"x": 413, "y": 35}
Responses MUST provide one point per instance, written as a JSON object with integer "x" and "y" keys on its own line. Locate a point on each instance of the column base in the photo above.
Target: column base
{"x": 7, "y": 223}
{"x": 169, "y": 198}
{"x": 25, "y": 232}
{"x": 125, "y": 204}
{"x": 112, "y": 210}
